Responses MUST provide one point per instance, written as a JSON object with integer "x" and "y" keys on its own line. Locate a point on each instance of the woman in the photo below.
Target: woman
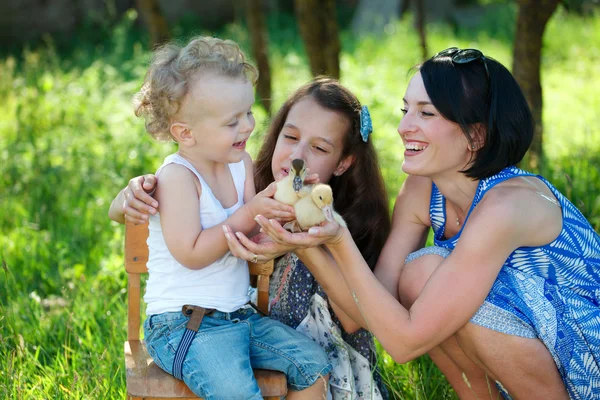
{"x": 511, "y": 289}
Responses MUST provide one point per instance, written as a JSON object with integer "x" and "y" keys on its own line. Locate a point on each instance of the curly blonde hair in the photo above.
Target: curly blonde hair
{"x": 173, "y": 69}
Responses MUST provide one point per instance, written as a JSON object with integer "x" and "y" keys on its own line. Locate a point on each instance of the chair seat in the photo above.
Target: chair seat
{"x": 146, "y": 379}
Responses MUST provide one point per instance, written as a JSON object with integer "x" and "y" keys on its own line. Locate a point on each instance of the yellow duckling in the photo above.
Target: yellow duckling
{"x": 289, "y": 188}
{"x": 317, "y": 208}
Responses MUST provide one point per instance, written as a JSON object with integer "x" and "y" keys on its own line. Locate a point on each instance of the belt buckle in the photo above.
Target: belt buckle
{"x": 196, "y": 313}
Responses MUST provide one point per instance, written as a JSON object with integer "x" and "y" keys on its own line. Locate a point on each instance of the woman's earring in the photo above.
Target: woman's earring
{"x": 473, "y": 147}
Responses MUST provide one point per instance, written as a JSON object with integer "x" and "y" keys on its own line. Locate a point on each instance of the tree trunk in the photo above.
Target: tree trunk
{"x": 437, "y": 10}
{"x": 258, "y": 32}
{"x": 154, "y": 20}
{"x": 404, "y": 6}
{"x": 420, "y": 23}
{"x": 319, "y": 30}
{"x": 531, "y": 22}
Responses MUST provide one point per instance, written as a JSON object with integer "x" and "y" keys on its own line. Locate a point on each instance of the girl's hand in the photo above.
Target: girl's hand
{"x": 311, "y": 179}
{"x": 258, "y": 249}
{"x": 264, "y": 204}
{"x": 328, "y": 233}
{"x": 138, "y": 201}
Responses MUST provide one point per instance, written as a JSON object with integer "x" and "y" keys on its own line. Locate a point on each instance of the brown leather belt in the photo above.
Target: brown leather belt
{"x": 196, "y": 314}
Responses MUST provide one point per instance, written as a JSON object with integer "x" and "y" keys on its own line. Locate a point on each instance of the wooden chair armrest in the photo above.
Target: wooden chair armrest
{"x": 262, "y": 272}
{"x": 261, "y": 269}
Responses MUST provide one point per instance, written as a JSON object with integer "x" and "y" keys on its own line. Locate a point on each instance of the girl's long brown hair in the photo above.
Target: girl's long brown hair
{"x": 359, "y": 193}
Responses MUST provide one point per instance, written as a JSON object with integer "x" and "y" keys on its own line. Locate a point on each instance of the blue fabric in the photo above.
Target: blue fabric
{"x": 226, "y": 348}
{"x": 182, "y": 350}
{"x": 555, "y": 289}
{"x": 425, "y": 251}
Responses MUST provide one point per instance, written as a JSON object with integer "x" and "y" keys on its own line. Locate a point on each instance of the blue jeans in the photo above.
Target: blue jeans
{"x": 228, "y": 345}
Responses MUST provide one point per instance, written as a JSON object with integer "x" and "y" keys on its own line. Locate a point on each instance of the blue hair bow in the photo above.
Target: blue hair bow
{"x": 366, "y": 125}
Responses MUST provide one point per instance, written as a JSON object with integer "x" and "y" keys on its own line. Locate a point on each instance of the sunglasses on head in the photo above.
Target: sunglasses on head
{"x": 465, "y": 56}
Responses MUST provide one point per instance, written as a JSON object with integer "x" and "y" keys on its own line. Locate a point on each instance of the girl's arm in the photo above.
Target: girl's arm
{"x": 321, "y": 264}
{"x": 503, "y": 221}
{"x": 135, "y": 201}
{"x": 249, "y": 187}
{"x": 115, "y": 212}
{"x": 347, "y": 322}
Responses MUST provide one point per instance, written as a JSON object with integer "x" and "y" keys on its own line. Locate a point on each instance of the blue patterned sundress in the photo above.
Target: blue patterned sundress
{"x": 550, "y": 292}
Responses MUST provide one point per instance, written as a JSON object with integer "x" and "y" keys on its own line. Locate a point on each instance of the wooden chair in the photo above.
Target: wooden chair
{"x": 145, "y": 380}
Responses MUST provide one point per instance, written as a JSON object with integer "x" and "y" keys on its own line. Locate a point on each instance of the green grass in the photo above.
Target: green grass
{"x": 69, "y": 142}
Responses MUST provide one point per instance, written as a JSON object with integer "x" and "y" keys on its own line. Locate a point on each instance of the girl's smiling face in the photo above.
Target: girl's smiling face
{"x": 433, "y": 143}
{"x": 314, "y": 134}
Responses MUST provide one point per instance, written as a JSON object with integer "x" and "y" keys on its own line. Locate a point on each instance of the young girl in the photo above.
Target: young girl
{"x": 201, "y": 97}
{"x": 319, "y": 123}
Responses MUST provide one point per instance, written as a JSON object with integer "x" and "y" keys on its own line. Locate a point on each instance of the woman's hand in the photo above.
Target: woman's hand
{"x": 259, "y": 249}
{"x": 329, "y": 233}
{"x": 138, "y": 202}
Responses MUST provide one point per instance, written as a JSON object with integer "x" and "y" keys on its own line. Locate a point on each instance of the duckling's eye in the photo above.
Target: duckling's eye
{"x": 320, "y": 197}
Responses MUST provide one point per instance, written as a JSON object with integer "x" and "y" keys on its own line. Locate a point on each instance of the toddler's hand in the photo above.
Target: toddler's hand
{"x": 264, "y": 204}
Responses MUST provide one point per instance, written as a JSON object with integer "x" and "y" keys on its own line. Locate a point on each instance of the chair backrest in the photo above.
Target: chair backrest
{"x": 136, "y": 257}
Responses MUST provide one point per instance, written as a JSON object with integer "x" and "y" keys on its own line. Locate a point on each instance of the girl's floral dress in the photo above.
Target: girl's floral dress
{"x": 297, "y": 300}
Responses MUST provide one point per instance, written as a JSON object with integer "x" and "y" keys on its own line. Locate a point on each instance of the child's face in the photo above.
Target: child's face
{"x": 218, "y": 111}
{"x": 313, "y": 134}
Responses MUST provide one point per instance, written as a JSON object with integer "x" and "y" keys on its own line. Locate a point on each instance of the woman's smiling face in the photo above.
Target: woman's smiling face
{"x": 314, "y": 134}
{"x": 433, "y": 143}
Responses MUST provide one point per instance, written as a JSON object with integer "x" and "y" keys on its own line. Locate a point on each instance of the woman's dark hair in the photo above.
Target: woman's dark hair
{"x": 483, "y": 92}
{"x": 359, "y": 193}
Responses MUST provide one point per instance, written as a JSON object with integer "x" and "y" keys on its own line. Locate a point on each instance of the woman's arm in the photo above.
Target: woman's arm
{"x": 410, "y": 225}
{"x": 458, "y": 287}
{"x": 265, "y": 249}
{"x": 411, "y": 214}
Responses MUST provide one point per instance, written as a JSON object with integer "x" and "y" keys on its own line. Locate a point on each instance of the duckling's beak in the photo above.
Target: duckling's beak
{"x": 328, "y": 213}
{"x": 297, "y": 183}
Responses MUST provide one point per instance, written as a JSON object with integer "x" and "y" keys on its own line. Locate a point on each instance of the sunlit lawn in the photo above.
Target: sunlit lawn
{"x": 69, "y": 142}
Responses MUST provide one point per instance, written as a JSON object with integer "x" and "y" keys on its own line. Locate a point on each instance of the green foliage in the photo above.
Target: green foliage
{"x": 69, "y": 142}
